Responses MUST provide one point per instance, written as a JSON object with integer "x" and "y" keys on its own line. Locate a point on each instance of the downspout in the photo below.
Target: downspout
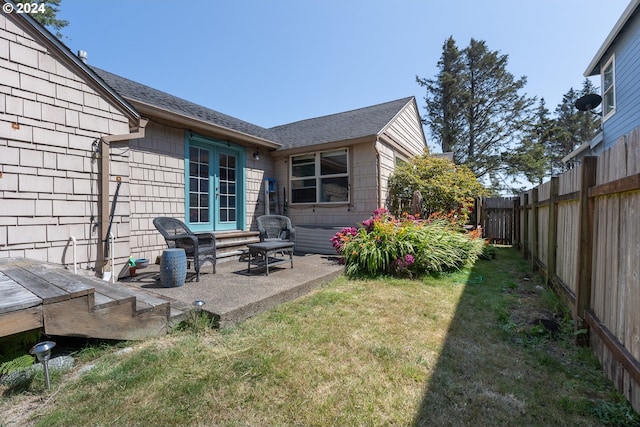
{"x": 378, "y": 174}
{"x": 103, "y": 204}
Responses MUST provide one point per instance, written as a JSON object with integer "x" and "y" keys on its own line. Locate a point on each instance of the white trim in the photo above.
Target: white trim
{"x": 593, "y": 68}
{"x": 610, "y": 62}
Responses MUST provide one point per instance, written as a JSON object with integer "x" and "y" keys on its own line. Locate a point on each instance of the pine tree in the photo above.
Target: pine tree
{"x": 48, "y": 18}
{"x": 575, "y": 127}
{"x": 445, "y": 116}
{"x": 473, "y": 106}
{"x": 529, "y": 159}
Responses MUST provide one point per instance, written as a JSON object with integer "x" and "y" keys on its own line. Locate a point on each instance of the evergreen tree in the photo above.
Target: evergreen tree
{"x": 575, "y": 127}
{"x": 473, "y": 106}
{"x": 445, "y": 118}
{"x": 530, "y": 159}
{"x": 48, "y": 18}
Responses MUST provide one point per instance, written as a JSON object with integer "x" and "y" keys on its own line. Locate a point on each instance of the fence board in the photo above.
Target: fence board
{"x": 604, "y": 211}
{"x": 568, "y": 244}
{"x": 569, "y": 181}
{"x": 543, "y": 235}
{"x": 630, "y": 273}
{"x": 633, "y": 152}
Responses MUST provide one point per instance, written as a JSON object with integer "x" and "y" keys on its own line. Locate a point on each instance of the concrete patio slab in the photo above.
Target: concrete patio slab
{"x": 233, "y": 294}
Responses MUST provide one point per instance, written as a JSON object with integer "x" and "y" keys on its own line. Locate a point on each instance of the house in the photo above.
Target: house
{"x": 89, "y": 158}
{"x": 616, "y": 62}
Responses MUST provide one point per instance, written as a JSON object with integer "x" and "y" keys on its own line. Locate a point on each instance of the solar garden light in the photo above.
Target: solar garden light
{"x": 197, "y": 306}
{"x": 43, "y": 352}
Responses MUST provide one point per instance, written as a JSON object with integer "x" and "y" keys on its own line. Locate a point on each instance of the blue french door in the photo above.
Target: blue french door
{"x": 215, "y": 198}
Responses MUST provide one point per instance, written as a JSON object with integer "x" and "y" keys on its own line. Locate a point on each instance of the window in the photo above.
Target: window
{"x": 321, "y": 177}
{"x": 608, "y": 89}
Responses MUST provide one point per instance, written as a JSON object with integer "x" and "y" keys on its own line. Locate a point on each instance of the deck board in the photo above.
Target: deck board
{"x": 14, "y": 296}
{"x": 72, "y": 284}
{"x": 35, "y": 284}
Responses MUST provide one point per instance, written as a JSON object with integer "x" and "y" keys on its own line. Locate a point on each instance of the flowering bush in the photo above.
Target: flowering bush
{"x": 406, "y": 246}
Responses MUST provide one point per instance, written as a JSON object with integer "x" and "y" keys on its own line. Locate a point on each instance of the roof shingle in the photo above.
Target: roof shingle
{"x": 148, "y": 95}
{"x": 362, "y": 122}
{"x": 352, "y": 124}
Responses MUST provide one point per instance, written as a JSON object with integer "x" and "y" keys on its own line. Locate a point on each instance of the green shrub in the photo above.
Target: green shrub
{"x": 388, "y": 245}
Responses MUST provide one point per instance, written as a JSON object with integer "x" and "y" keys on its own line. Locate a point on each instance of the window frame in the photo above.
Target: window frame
{"x": 610, "y": 90}
{"x": 318, "y": 177}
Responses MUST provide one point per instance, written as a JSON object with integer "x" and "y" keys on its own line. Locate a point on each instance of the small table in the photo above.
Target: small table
{"x": 259, "y": 253}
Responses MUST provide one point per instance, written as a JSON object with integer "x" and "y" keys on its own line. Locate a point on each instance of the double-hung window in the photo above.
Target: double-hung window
{"x": 608, "y": 88}
{"x": 320, "y": 177}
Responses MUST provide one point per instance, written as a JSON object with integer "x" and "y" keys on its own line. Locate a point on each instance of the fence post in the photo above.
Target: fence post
{"x": 516, "y": 239}
{"x": 535, "y": 226}
{"x": 552, "y": 240}
{"x": 585, "y": 230}
{"x": 525, "y": 225}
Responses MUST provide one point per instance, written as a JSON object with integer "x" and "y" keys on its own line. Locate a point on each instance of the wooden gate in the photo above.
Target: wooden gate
{"x": 496, "y": 216}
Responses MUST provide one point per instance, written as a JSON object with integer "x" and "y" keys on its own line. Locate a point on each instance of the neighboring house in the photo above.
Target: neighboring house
{"x": 617, "y": 63}
{"x": 85, "y": 153}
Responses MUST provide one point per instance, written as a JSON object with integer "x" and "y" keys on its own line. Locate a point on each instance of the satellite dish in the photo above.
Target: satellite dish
{"x": 588, "y": 102}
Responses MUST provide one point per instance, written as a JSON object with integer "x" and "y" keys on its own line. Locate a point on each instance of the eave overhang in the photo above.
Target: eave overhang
{"x": 594, "y": 66}
{"x": 201, "y": 126}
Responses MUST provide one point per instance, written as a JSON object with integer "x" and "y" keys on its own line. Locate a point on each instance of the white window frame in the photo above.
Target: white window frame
{"x": 318, "y": 177}
{"x": 609, "y": 109}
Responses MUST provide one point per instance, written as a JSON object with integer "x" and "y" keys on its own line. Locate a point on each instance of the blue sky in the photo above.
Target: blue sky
{"x": 272, "y": 62}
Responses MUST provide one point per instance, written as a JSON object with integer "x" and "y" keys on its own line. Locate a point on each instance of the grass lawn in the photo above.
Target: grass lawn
{"x": 459, "y": 349}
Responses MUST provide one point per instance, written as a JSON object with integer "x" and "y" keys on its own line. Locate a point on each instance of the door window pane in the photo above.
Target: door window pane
{"x": 198, "y": 185}
{"x": 226, "y": 190}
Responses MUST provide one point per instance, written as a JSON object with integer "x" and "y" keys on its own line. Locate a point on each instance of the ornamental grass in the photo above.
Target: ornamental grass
{"x": 406, "y": 246}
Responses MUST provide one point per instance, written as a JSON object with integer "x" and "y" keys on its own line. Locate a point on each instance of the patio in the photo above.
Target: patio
{"x": 233, "y": 294}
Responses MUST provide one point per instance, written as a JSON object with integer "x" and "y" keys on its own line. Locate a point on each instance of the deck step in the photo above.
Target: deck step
{"x": 40, "y": 295}
{"x": 228, "y": 243}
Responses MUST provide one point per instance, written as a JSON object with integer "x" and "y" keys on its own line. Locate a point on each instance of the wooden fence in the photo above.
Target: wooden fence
{"x": 582, "y": 231}
{"x": 496, "y": 216}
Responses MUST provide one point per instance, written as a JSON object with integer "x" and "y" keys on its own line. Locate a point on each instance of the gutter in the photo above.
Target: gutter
{"x": 202, "y": 125}
{"x": 103, "y": 193}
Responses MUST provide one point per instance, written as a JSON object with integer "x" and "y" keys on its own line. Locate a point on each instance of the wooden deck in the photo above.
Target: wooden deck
{"x": 37, "y": 295}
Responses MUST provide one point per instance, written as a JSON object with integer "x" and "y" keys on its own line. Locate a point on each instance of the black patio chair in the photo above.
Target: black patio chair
{"x": 199, "y": 247}
{"x": 276, "y": 227}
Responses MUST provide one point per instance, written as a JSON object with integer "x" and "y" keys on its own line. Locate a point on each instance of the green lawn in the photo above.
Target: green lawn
{"x": 454, "y": 350}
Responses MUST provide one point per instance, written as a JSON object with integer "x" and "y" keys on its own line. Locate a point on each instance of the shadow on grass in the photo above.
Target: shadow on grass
{"x": 500, "y": 366}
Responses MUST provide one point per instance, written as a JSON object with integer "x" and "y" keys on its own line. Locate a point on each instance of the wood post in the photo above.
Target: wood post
{"x": 552, "y": 238}
{"x": 585, "y": 230}
{"x": 525, "y": 225}
{"x": 516, "y": 238}
{"x": 103, "y": 204}
{"x": 535, "y": 253}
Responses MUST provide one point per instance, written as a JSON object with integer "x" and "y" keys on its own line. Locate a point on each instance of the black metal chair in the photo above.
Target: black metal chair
{"x": 199, "y": 247}
{"x": 276, "y": 227}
